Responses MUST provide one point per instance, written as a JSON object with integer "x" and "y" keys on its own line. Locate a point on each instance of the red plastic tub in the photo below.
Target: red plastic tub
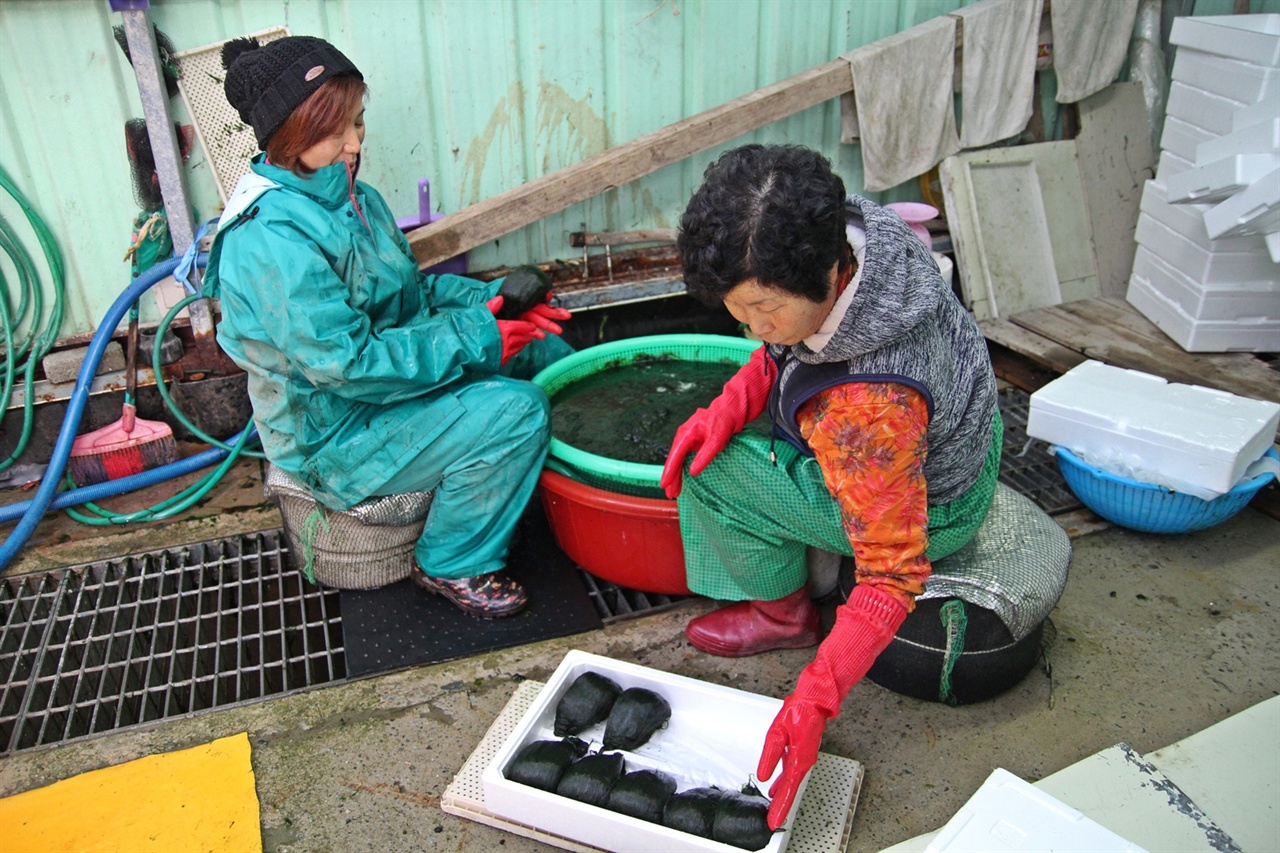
{"x": 633, "y": 542}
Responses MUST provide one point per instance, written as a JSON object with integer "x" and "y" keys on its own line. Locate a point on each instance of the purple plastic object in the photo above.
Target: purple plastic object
{"x": 130, "y": 5}
{"x": 457, "y": 265}
{"x": 913, "y": 213}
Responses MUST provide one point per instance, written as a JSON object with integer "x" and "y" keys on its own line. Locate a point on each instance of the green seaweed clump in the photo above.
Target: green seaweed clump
{"x": 742, "y": 820}
{"x": 636, "y": 715}
{"x": 642, "y": 794}
{"x": 693, "y": 811}
{"x": 542, "y": 763}
{"x": 523, "y": 288}
{"x": 587, "y": 701}
{"x": 589, "y": 780}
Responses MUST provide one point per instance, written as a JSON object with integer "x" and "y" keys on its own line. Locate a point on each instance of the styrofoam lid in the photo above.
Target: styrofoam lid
{"x": 1008, "y": 814}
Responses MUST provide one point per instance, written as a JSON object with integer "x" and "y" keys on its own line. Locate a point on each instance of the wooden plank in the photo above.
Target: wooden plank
{"x": 1112, "y": 331}
{"x": 522, "y": 205}
{"x": 1036, "y": 347}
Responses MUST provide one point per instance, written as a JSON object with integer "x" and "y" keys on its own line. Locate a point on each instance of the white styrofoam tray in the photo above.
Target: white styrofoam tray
{"x": 1255, "y": 113}
{"x": 1187, "y": 219}
{"x": 1171, "y": 164}
{"x": 1009, "y": 814}
{"x": 1259, "y": 138}
{"x": 1206, "y": 110}
{"x": 1251, "y": 38}
{"x": 1195, "y": 335}
{"x": 1230, "y": 303}
{"x": 714, "y": 737}
{"x": 1253, "y": 210}
{"x": 1231, "y": 78}
{"x": 1186, "y": 437}
{"x": 1206, "y": 266}
{"x": 1183, "y": 138}
{"x": 1216, "y": 180}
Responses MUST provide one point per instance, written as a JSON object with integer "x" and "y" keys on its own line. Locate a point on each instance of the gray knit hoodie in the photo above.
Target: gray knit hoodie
{"x": 903, "y": 324}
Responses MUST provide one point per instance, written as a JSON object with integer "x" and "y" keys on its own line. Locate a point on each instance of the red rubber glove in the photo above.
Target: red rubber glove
{"x": 708, "y": 430}
{"x": 865, "y": 624}
{"x": 544, "y": 316}
{"x": 516, "y": 334}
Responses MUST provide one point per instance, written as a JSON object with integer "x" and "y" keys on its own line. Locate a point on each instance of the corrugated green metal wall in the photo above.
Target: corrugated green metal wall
{"x": 479, "y": 96}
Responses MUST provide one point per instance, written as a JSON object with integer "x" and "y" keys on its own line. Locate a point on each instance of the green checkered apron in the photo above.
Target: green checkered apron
{"x": 747, "y": 522}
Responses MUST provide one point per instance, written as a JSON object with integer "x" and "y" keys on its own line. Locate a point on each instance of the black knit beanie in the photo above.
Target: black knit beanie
{"x": 267, "y": 82}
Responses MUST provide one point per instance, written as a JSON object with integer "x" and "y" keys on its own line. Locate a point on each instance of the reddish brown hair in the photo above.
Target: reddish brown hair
{"x": 322, "y": 114}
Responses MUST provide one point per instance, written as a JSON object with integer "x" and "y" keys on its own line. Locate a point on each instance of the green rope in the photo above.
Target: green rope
{"x": 954, "y": 622}
{"x": 308, "y": 536}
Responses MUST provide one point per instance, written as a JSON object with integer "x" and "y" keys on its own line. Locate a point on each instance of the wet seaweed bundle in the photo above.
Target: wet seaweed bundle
{"x": 523, "y": 288}
{"x": 636, "y": 715}
{"x": 742, "y": 820}
{"x": 642, "y": 794}
{"x": 590, "y": 779}
{"x": 587, "y": 701}
{"x": 693, "y": 811}
{"x": 542, "y": 763}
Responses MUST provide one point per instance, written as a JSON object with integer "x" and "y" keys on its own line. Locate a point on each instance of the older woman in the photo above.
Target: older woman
{"x": 886, "y": 435}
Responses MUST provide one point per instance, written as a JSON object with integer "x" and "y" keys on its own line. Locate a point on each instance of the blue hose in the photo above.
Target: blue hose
{"x": 38, "y": 505}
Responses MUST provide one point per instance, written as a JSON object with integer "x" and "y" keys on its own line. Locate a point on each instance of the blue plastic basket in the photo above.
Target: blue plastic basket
{"x": 1151, "y": 508}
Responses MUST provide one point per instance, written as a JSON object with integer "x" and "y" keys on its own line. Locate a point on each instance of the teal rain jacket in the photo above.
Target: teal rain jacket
{"x": 349, "y": 349}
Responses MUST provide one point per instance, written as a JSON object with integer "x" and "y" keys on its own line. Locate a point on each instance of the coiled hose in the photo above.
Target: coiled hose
{"x": 34, "y": 509}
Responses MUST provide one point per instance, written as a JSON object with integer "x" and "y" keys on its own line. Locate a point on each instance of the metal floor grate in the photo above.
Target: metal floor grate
{"x": 119, "y": 643}
{"x": 616, "y": 604}
{"x": 1026, "y": 464}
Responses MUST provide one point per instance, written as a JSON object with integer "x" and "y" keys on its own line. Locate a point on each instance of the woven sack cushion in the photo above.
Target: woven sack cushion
{"x": 348, "y": 554}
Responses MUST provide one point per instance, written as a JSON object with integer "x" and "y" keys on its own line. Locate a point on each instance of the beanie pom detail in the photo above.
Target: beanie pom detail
{"x": 234, "y": 48}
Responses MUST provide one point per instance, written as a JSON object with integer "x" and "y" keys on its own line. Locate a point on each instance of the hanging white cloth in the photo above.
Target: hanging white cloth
{"x": 902, "y": 87}
{"x": 999, "y": 65}
{"x": 1090, "y": 44}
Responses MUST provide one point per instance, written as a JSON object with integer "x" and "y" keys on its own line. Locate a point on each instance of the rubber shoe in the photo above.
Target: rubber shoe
{"x": 751, "y": 627}
{"x": 487, "y": 596}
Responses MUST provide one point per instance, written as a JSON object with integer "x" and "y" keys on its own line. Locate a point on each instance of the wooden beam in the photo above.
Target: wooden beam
{"x": 522, "y": 205}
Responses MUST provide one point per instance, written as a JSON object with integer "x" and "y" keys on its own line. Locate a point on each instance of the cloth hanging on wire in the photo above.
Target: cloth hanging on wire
{"x": 1090, "y": 44}
{"x": 998, "y": 69}
{"x": 904, "y": 102}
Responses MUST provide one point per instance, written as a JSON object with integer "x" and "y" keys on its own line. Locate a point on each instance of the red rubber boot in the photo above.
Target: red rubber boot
{"x": 751, "y": 627}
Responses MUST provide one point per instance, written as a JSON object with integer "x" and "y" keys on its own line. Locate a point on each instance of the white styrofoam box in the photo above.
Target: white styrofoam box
{"x": 1201, "y": 335}
{"x": 1171, "y": 164}
{"x": 1183, "y": 138}
{"x": 1196, "y": 335}
{"x": 1260, "y": 138}
{"x": 1207, "y": 266}
{"x": 1216, "y": 302}
{"x": 1251, "y": 38}
{"x": 1221, "y": 178}
{"x": 1203, "y": 109}
{"x": 1231, "y": 78}
{"x": 1255, "y": 113}
{"x": 715, "y": 737}
{"x": 1272, "y": 239}
{"x": 1009, "y": 815}
{"x": 1188, "y": 220}
{"x": 1253, "y": 210}
{"x": 1187, "y": 437}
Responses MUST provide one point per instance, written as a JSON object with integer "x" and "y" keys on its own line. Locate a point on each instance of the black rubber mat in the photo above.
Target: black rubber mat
{"x": 400, "y": 625}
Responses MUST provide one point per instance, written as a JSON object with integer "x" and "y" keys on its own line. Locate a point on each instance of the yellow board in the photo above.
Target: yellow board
{"x": 198, "y": 799}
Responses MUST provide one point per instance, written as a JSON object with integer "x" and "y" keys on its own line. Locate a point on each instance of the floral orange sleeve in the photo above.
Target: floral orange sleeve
{"x": 869, "y": 439}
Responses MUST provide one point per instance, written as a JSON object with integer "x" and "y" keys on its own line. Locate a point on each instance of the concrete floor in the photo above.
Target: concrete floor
{"x": 1156, "y": 637}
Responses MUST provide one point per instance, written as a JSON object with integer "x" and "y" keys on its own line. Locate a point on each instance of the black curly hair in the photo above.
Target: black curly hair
{"x": 773, "y": 213}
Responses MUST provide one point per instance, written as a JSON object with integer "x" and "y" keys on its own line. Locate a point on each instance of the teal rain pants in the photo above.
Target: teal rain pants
{"x": 484, "y": 467}
{"x": 746, "y": 522}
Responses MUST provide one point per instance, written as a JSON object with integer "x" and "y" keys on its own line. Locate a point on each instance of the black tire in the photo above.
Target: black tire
{"x": 991, "y": 663}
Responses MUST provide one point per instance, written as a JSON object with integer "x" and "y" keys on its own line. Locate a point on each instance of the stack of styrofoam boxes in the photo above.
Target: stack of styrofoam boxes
{"x": 1207, "y": 266}
{"x": 1191, "y": 439}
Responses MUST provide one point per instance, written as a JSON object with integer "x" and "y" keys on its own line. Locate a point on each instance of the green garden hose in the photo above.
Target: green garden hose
{"x": 41, "y": 339}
